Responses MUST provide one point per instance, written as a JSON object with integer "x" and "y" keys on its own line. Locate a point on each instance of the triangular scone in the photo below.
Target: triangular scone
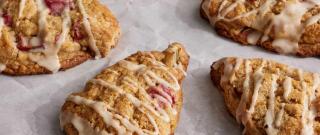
{"x": 45, "y": 36}
{"x": 268, "y": 97}
{"x": 139, "y": 95}
{"x": 283, "y": 26}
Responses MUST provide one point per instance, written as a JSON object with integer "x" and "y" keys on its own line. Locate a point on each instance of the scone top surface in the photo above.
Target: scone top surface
{"x": 268, "y": 97}
{"x": 284, "y": 26}
{"x": 139, "y": 95}
{"x": 44, "y": 36}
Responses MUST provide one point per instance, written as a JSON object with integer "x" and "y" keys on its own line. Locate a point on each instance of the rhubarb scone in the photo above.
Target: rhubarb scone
{"x": 45, "y": 36}
{"x": 282, "y": 26}
{"x": 267, "y": 97}
{"x": 141, "y": 94}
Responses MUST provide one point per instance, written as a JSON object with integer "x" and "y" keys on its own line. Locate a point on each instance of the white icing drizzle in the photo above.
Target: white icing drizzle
{"x": 176, "y": 64}
{"x": 241, "y": 110}
{"x": 305, "y": 101}
{"x": 278, "y": 120}
{"x": 236, "y": 68}
{"x": 21, "y": 7}
{"x": 50, "y": 59}
{"x": 43, "y": 12}
{"x": 86, "y": 24}
{"x": 180, "y": 67}
{"x": 83, "y": 127}
{"x": 253, "y": 37}
{"x": 287, "y": 86}
{"x": 131, "y": 82}
{"x": 206, "y": 7}
{"x": 312, "y": 20}
{"x": 229, "y": 71}
{"x": 228, "y": 67}
{"x": 217, "y": 64}
{"x": 258, "y": 78}
{"x": 311, "y": 110}
{"x": 66, "y": 24}
{"x": 2, "y": 67}
{"x": 131, "y": 66}
{"x": 287, "y": 25}
{"x": 269, "y": 118}
{"x": 112, "y": 71}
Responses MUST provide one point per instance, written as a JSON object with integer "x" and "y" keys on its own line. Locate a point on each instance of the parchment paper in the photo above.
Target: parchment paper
{"x": 30, "y": 105}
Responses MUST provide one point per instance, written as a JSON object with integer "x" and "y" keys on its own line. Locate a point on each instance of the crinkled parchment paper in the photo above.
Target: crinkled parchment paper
{"x": 30, "y": 105}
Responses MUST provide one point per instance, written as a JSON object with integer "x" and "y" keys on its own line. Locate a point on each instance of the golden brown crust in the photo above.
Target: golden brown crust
{"x": 291, "y": 121}
{"x": 123, "y": 105}
{"x": 74, "y": 51}
{"x": 239, "y": 29}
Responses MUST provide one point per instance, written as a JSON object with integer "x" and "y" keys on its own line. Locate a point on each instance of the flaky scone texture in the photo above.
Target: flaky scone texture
{"x": 282, "y": 26}
{"x": 45, "y": 36}
{"x": 139, "y": 95}
{"x": 267, "y": 97}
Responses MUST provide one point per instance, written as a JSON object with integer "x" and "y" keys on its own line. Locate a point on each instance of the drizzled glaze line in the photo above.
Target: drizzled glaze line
{"x": 254, "y": 37}
{"x": 312, "y": 20}
{"x": 258, "y": 78}
{"x": 43, "y": 12}
{"x": 287, "y": 86}
{"x": 305, "y": 103}
{"x": 176, "y": 64}
{"x": 66, "y": 24}
{"x": 311, "y": 110}
{"x": 206, "y": 7}
{"x": 278, "y": 120}
{"x": 86, "y": 24}
{"x": 21, "y": 7}
{"x": 241, "y": 110}
{"x": 235, "y": 69}
{"x": 270, "y": 114}
{"x": 227, "y": 71}
{"x": 2, "y": 67}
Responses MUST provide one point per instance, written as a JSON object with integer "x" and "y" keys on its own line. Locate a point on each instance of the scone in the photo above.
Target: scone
{"x": 45, "y": 36}
{"x": 283, "y": 26}
{"x": 139, "y": 95}
{"x": 268, "y": 97}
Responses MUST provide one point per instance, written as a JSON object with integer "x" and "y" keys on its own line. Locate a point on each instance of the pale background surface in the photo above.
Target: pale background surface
{"x": 30, "y": 105}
